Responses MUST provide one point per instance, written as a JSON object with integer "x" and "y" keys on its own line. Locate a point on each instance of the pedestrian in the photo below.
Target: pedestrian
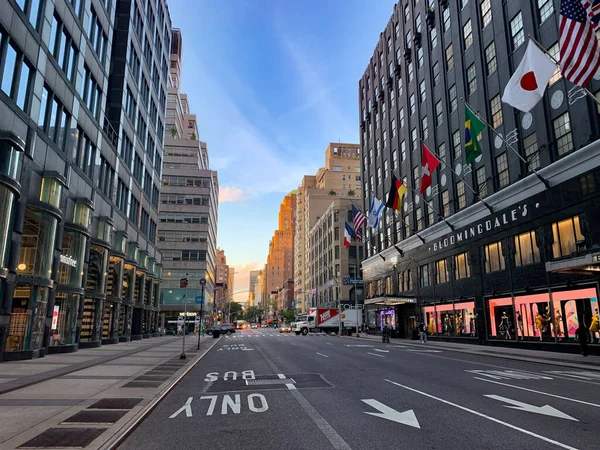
{"x": 582, "y": 334}
{"x": 385, "y": 335}
{"x": 422, "y": 333}
{"x": 180, "y": 330}
{"x": 203, "y": 331}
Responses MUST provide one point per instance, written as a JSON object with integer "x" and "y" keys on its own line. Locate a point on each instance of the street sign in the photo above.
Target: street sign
{"x": 352, "y": 281}
{"x": 199, "y": 299}
{"x": 202, "y": 281}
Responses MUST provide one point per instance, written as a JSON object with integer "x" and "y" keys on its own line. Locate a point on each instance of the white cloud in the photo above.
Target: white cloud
{"x": 230, "y": 194}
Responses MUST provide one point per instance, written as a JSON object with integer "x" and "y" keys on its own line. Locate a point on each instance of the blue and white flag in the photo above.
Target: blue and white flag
{"x": 375, "y": 212}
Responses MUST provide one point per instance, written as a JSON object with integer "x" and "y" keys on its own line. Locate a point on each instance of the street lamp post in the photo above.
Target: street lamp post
{"x": 202, "y": 284}
{"x": 184, "y": 282}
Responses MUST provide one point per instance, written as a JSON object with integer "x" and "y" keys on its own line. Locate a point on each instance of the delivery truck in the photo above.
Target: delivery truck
{"x": 327, "y": 320}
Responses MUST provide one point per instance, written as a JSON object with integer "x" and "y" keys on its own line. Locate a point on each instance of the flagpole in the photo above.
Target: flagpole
{"x": 404, "y": 223}
{"x": 541, "y": 178}
{"x": 461, "y": 178}
{"x": 425, "y": 202}
{"x": 541, "y": 47}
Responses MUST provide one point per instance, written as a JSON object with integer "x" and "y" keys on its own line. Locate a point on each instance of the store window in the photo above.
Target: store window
{"x": 494, "y": 261}
{"x": 64, "y": 319}
{"x": 92, "y": 320}
{"x": 526, "y": 248}
{"x": 461, "y": 266}
{"x": 567, "y": 237}
{"x": 70, "y": 268}
{"x": 27, "y": 318}
{"x": 7, "y": 198}
{"x": 37, "y": 244}
{"x": 97, "y": 267}
{"x": 441, "y": 272}
{"x": 82, "y": 215}
{"x": 424, "y": 279}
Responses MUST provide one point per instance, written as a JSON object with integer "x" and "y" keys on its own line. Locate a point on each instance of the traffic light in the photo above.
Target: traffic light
{"x": 183, "y": 282}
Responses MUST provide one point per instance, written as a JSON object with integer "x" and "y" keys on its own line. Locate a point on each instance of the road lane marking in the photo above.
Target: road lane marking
{"x": 281, "y": 376}
{"x": 381, "y": 351}
{"x": 545, "y": 410}
{"x": 375, "y": 354}
{"x": 328, "y": 343}
{"x": 187, "y": 407}
{"x": 539, "y": 392}
{"x": 325, "y": 356}
{"x": 509, "y": 374}
{"x": 385, "y": 412}
{"x": 485, "y": 416}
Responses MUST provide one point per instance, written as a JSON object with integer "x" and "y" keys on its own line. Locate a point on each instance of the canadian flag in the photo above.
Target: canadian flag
{"x": 428, "y": 164}
{"x": 527, "y": 85}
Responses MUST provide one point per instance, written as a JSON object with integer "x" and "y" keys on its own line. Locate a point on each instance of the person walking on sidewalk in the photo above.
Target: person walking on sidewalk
{"x": 582, "y": 334}
{"x": 422, "y": 332}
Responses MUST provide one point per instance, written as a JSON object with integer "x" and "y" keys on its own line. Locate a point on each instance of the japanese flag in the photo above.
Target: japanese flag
{"x": 528, "y": 84}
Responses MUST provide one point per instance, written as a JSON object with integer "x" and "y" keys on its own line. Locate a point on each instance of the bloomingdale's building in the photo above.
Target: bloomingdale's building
{"x": 524, "y": 260}
{"x": 78, "y": 179}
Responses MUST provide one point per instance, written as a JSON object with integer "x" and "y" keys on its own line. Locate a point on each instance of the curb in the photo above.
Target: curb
{"x": 116, "y": 440}
{"x": 493, "y": 354}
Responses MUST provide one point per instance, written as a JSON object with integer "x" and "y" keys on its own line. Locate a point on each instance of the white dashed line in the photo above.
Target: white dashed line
{"x": 325, "y": 356}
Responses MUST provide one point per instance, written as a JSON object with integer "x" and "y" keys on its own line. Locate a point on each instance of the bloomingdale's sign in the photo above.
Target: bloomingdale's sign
{"x": 495, "y": 223}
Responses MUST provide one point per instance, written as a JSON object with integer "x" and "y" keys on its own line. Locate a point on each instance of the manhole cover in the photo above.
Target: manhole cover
{"x": 96, "y": 417}
{"x": 64, "y": 437}
{"x": 143, "y": 384}
{"x": 115, "y": 403}
{"x": 266, "y": 382}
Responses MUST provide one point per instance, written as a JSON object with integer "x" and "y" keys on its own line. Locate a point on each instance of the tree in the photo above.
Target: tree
{"x": 273, "y": 305}
{"x": 173, "y": 131}
{"x": 351, "y": 193}
{"x": 253, "y": 314}
{"x": 332, "y": 192}
{"x": 193, "y": 136}
{"x": 288, "y": 316}
{"x": 234, "y": 310}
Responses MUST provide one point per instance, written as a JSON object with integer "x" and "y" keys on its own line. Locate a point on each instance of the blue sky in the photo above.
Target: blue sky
{"x": 272, "y": 83}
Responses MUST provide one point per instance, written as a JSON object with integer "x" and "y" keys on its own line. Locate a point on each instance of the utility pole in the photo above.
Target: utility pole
{"x": 184, "y": 283}
{"x": 202, "y": 284}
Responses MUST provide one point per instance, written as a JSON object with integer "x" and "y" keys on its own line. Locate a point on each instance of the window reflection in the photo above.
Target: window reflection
{"x": 37, "y": 244}
{"x": 9, "y": 69}
{"x": 567, "y": 234}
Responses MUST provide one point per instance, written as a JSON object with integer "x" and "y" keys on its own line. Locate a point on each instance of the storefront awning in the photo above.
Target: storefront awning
{"x": 390, "y": 301}
{"x": 585, "y": 264}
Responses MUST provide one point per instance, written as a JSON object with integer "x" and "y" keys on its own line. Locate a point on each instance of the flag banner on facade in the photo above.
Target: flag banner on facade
{"x": 348, "y": 233}
{"x": 473, "y": 128}
{"x": 358, "y": 219}
{"x": 428, "y": 164}
{"x": 579, "y": 53}
{"x": 527, "y": 85}
{"x": 397, "y": 191}
{"x": 375, "y": 212}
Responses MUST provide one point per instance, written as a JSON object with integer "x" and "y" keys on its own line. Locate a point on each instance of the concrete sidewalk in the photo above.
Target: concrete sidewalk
{"x": 90, "y": 398}
{"x": 560, "y": 359}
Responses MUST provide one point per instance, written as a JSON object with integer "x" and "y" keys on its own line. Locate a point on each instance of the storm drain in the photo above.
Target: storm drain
{"x": 115, "y": 403}
{"x": 96, "y": 417}
{"x": 64, "y": 437}
{"x": 265, "y": 382}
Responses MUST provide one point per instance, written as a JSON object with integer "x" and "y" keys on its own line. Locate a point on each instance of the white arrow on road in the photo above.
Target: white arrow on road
{"x": 385, "y": 412}
{"x": 545, "y": 410}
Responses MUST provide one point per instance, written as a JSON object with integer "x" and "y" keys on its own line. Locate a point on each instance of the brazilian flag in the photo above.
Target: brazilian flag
{"x": 473, "y": 128}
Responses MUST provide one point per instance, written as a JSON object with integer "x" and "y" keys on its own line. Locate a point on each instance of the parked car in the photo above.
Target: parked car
{"x": 226, "y": 328}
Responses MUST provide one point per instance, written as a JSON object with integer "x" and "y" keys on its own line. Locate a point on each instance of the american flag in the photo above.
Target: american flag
{"x": 358, "y": 221}
{"x": 593, "y": 9}
{"x": 579, "y": 54}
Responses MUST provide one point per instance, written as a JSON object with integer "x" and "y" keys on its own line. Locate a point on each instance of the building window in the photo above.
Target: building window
{"x": 424, "y": 128}
{"x": 420, "y": 56}
{"x": 405, "y": 281}
{"x": 442, "y": 152}
{"x": 424, "y": 280}
{"x": 433, "y": 38}
{"x": 401, "y": 117}
{"x": 449, "y": 57}
{"x": 411, "y": 101}
{"x": 526, "y": 250}
{"x": 481, "y": 182}
{"x": 446, "y": 19}
{"x": 554, "y": 52}
{"x": 445, "y": 203}
{"x": 456, "y": 145}
{"x": 471, "y": 80}
{"x": 419, "y": 218}
{"x": 467, "y": 34}
{"x": 490, "y": 59}
{"x": 422, "y": 91}
{"x": 16, "y": 77}
{"x": 436, "y": 73}
{"x": 532, "y": 154}
{"x": 402, "y": 151}
{"x": 486, "y": 12}
{"x": 496, "y": 107}
{"x": 385, "y": 168}
{"x": 502, "y": 168}
{"x": 516, "y": 30}
{"x": 461, "y": 266}
{"x": 453, "y": 99}
{"x": 414, "y": 139}
{"x": 494, "y": 261}
{"x": 441, "y": 272}
{"x": 562, "y": 133}
{"x": 567, "y": 233}
{"x": 545, "y": 9}
{"x": 439, "y": 114}
{"x": 461, "y": 196}
{"x": 393, "y": 127}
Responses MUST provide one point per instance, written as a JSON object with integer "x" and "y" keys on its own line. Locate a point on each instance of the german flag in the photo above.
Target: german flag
{"x": 397, "y": 191}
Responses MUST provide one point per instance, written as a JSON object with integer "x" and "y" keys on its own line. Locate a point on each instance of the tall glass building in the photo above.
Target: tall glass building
{"x": 78, "y": 264}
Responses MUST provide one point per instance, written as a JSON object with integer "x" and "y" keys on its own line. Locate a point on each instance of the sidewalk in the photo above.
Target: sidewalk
{"x": 89, "y": 398}
{"x": 560, "y": 359}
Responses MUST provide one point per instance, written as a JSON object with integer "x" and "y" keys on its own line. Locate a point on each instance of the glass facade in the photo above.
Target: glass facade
{"x": 27, "y": 318}
{"x": 37, "y": 244}
{"x": 64, "y": 319}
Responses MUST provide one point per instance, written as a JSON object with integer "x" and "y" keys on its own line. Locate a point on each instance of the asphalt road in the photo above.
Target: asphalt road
{"x": 260, "y": 389}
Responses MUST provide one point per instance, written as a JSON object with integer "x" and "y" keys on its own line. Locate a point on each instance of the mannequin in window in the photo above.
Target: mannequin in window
{"x": 472, "y": 325}
{"x": 520, "y": 326}
{"x": 557, "y": 323}
{"x": 594, "y": 326}
{"x": 539, "y": 324}
{"x": 504, "y": 326}
{"x": 431, "y": 327}
{"x": 547, "y": 319}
